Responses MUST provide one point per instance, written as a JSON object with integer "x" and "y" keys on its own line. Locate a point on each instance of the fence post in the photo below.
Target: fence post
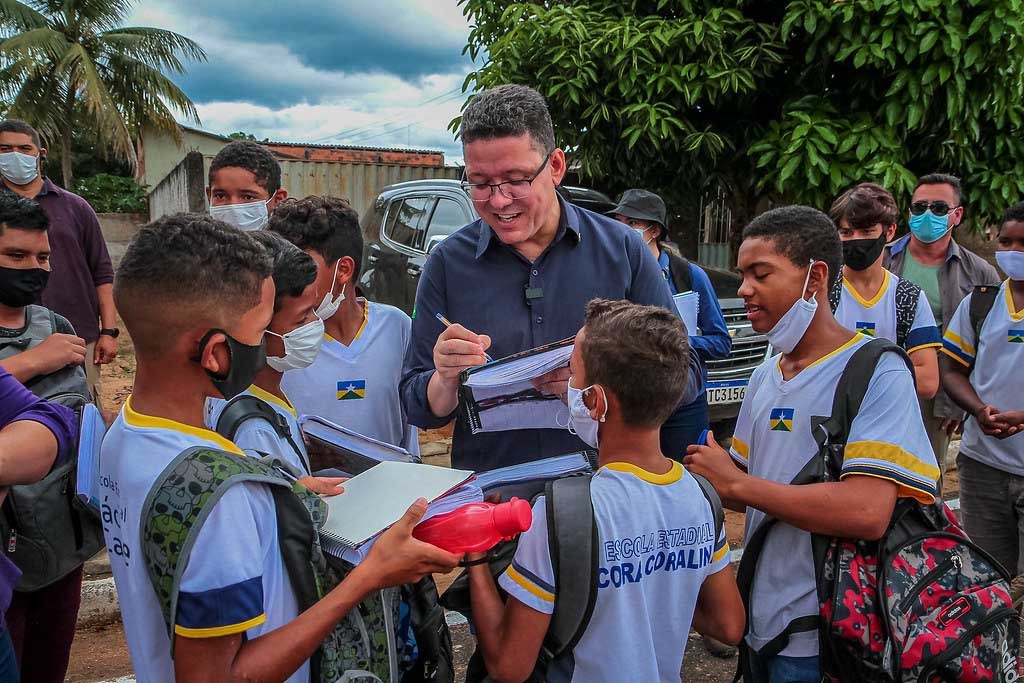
{"x": 195, "y": 182}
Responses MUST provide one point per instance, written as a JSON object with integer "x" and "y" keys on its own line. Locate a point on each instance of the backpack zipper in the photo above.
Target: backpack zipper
{"x": 915, "y": 592}
{"x": 956, "y": 647}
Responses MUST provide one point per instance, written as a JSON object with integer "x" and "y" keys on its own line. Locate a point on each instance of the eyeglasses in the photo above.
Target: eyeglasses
{"x": 939, "y": 208}
{"x": 512, "y": 189}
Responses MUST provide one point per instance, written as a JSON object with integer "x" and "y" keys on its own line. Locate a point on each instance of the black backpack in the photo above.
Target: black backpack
{"x": 426, "y": 616}
{"x": 921, "y": 603}
{"x": 573, "y": 545}
{"x": 983, "y": 298}
{"x": 907, "y": 297}
{"x": 45, "y": 530}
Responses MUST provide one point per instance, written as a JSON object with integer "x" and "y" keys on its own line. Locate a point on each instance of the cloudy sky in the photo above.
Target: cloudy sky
{"x": 362, "y": 72}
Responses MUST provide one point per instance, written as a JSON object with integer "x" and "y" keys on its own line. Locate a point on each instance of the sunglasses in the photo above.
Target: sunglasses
{"x": 939, "y": 208}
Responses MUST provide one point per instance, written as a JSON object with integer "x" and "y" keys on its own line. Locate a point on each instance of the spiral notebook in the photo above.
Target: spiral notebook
{"x": 91, "y": 431}
{"x": 378, "y": 497}
{"x": 349, "y": 451}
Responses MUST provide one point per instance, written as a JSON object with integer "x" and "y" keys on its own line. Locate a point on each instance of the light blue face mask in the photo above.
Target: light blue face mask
{"x": 928, "y": 227}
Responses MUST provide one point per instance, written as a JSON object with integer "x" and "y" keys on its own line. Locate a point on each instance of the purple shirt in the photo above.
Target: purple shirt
{"x": 79, "y": 259}
{"x": 18, "y": 403}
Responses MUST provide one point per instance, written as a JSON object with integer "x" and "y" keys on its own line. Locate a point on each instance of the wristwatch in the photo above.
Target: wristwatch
{"x": 111, "y": 332}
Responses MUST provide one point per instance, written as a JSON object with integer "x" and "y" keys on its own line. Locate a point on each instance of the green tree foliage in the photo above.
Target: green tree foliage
{"x": 787, "y": 101}
{"x": 66, "y": 64}
{"x": 113, "y": 194}
{"x": 241, "y": 135}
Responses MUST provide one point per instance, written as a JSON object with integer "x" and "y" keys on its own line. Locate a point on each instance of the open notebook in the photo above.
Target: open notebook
{"x": 378, "y": 497}
{"x": 350, "y": 451}
{"x": 500, "y": 396}
{"x": 91, "y": 431}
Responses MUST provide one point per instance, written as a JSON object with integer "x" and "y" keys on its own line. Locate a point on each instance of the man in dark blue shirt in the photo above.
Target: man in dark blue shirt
{"x": 517, "y": 278}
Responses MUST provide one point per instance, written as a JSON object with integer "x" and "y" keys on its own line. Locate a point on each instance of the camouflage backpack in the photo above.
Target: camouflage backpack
{"x": 922, "y": 603}
{"x": 362, "y": 647}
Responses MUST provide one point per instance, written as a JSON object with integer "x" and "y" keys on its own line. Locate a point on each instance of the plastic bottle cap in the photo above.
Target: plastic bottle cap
{"x": 513, "y": 517}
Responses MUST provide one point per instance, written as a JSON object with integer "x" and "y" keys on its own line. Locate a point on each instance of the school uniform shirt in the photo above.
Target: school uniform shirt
{"x": 235, "y": 581}
{"x": 773, "y": 441}
{"x": 876, "y": 317}
{"x": 997, "y": 358}
{"x": 657, "y": 545}
{"x": 356, "y": 386}
{"x": 258, "y": 438}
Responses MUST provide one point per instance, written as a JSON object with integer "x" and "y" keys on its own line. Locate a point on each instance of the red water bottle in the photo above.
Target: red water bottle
{"x": 476, "y": 527}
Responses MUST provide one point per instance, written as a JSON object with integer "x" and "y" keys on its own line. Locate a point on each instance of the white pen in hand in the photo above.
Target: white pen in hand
{"x": 448, "y": 323}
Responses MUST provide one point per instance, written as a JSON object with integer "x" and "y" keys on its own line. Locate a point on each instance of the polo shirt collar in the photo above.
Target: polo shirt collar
{"x": 568, "y": 222}
{"x": 48, "y": 187}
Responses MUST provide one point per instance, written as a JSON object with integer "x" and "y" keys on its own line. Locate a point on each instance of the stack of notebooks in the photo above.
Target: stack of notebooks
{"x": 687, "y": 305}
{"x": 91, "y": 431}
{"x": 503, "y": 395}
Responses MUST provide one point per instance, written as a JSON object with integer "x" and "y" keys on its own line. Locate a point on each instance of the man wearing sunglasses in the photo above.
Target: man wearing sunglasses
{"x": 519, "y": 277}
{"x": 947, "y": 272}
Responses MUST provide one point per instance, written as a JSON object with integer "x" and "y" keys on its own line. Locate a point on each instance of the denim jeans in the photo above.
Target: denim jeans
{"x": 992, "y": 509}
{"x": 781, "y": 669}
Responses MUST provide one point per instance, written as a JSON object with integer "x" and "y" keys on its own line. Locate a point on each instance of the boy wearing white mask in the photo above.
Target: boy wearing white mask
{"x": 629, "y": 368}
{"x": 292, "y": 341}
{"x": 354, "y": 380}
{"x": 245, "y": 185}
{"x": 981, "y": 372}
{"x": 788, "y": 259}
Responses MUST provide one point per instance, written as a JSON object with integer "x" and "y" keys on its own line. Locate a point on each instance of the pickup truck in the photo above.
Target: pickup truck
{"x": 409, "y": 219}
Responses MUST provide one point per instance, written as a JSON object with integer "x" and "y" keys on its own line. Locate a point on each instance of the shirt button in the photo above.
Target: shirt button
{"x": 536, "y": 272}
{"x": 540, "y": 319}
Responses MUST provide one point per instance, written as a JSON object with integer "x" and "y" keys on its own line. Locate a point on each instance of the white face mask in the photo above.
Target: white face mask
{"x": 580, "y": 422}
{"x": 792, "y": 327}
{"x": 643, "y": 233}
{"x": 1011, "y": 263}
{"x": 330, "y": 305}
{"x": 20, "y": 169}
{"x": 248, "y": 216}
{"x": 301, "y": 346}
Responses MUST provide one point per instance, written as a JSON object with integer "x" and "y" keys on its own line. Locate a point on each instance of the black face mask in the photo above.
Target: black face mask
{"x": 860, "y": 254}
{"x": 22, "y": 286}
{"x": 246, "y": 361}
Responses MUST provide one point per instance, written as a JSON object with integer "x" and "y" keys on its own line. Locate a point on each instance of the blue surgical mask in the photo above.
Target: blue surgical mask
{"x": 928, "y": 227}
{"x": 792, "y": 326}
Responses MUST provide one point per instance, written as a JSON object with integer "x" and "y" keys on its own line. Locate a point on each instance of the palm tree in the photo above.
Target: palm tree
{"x": 59, "y": 58}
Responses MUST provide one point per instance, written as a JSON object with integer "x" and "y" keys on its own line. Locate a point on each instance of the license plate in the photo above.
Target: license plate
{"x": 726, "y": 392}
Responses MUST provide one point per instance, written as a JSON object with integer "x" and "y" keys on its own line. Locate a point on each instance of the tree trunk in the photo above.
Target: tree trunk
{"x": 66, "y": 159}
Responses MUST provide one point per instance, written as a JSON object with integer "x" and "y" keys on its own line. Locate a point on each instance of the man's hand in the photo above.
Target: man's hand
{"x": 57, "y": 351}
{"x": 989, "y": 421}
{"x": 458, "y": 349}
{"x": 397, "y": 558}
{"x": 325, "y": 486}
{"x": 554, "y": 383}
{"x": 106, "y": 350}
{"x": 713, "y": 462}
{"x": 1013, "y": 421}
{"x": 951, "y": 427}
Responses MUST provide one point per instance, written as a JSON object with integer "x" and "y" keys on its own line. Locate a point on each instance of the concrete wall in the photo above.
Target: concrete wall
{"x": 121, "y": 227}
{"x": 183, "y": 189}
{"x": 160, "y": 154}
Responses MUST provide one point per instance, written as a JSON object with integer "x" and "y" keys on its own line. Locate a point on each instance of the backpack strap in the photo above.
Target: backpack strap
{"x": 573, "y": 544}
{"x": 908, "y": 295}
{"x": 245, "y": 407}
{"x": 835, "y": 292}
{"x": 983, "y": 298}
{"x": 717, "y": 510}
{"x": 679, "y": 270}
{"x": 830, "y": 434}
{"x": 179, "y": 502}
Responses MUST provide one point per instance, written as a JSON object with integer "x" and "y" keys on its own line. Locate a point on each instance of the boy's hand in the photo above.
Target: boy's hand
{"x": 989, "y": 420}
{"x": 1013, "y": 421}
{"x": 325, "y": 486}
{"x": 458, "y": 349}
{"x": 397, "y": 558}
{"x": 56, "y": 352}
{"x": 554, "y": 383}
{"x": 713, "y": 462}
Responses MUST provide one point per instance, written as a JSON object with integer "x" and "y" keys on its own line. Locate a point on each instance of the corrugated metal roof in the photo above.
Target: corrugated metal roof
{"x": 316, "y": 146}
